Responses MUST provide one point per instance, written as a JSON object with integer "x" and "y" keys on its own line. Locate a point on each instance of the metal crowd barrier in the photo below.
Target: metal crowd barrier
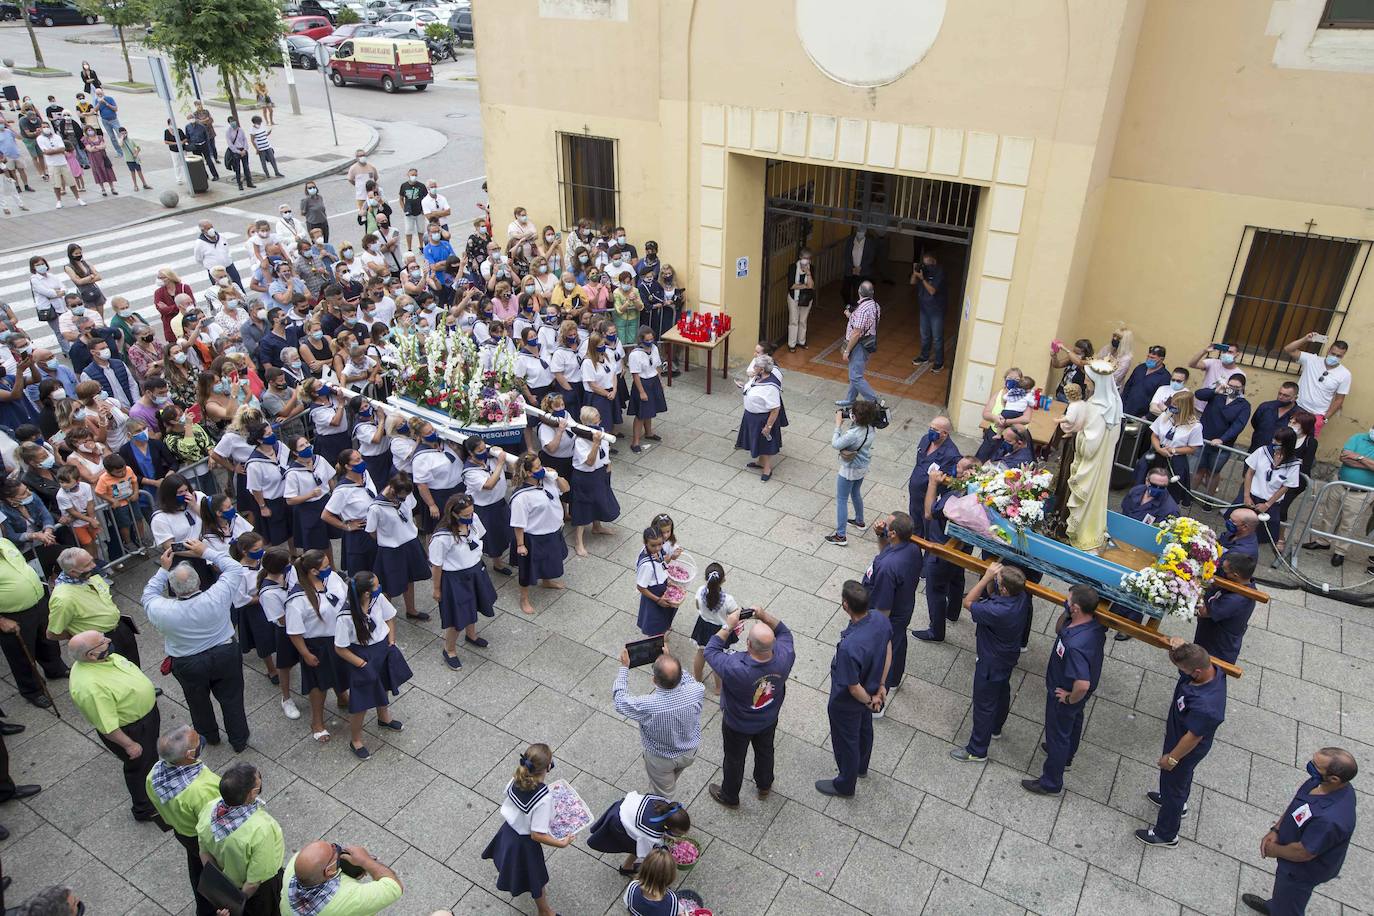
{"x": 1307, "y": 514}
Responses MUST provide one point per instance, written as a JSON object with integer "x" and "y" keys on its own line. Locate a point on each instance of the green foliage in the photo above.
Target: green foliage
{"x": 121, "y": 14}
{"x": 239, "y": 38}
{"x": 347, "y": 15}
{"x": 438, "y": 32}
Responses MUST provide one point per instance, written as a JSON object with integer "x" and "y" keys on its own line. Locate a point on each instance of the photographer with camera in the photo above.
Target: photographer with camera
{"x": 929, "y": 279}
{"x": 324, "y": 879}
{"x": 855, "y": 447}
{"x": 753, "y": 685}
{"x": 801, "y": 295}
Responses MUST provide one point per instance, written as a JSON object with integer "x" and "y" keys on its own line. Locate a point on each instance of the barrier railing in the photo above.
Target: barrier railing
{"x": 1306, "y": 519}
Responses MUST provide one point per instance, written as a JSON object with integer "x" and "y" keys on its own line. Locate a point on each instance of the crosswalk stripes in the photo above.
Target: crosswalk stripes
{"x": 128, "y": 260}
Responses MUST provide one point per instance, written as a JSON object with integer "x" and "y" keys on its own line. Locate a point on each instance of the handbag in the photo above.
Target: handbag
{"x": 91, "y": 294}
{"x": 847, "y": 455}
{"x": 869, "y": 342}
{"x": 47, "y": 313}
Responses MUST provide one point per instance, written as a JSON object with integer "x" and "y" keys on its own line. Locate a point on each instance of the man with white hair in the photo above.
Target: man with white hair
{"x": 212, "y": 250}
{"x": 81, "y": 601}
{"x": 117, "y": 698}
{"x": 199, "y": 636}
{"x": 180, "y": 787}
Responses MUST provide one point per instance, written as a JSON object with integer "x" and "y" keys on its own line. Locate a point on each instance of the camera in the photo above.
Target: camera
{"x": 351, "y": 869}
{"x": 748, "y": 612}
{"x": 180, "y": 547}
{"x": 880, "y": 530}
{"x": 846, "y": 412}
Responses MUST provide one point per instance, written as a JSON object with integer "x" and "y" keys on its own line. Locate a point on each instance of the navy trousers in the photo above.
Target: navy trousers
{"x": 1063, "y": 729}
{"x": 1290, "y": 894}
{"x": 851, "y": 736}
{"x": 944, "y": 592}
{"x": 991, "y": 703}
{"x": 1174, "y": 788}
{"x": 899, "y": 642}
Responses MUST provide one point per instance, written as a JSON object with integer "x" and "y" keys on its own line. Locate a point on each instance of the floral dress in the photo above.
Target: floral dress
{"x": 103, "y": 172}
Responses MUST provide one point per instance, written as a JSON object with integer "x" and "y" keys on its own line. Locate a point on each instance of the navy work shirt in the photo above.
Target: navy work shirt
{"x": 1197, "y": 708}
{"x": 1324, "y": 825}
{"x": 1248, "y": 544}
{"x": 1269, "y": 418}
{"x": 935, "y": 276}
{"x": 752, "y": 691}
{"x": 1228, "y": 617}
{"x": 935, "y": 525}
{"x": 1013, "y": 456}
{"x": 1159, "y": 507}
{"x": 891, "y": 580}
{"x": 1224, "y": 419}
{"x": 946, "y": 456}
{"x": 859, "y": 659}
{"x": 1076, "y": 656}
{"x": 1141, "y": 387}
{"x": 1000, "y": 620}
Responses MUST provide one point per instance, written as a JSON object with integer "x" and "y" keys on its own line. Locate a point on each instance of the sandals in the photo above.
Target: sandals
{"x": 321, "y": 736}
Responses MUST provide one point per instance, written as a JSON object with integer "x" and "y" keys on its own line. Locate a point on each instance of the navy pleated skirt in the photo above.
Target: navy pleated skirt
{"x": 379, "y": 468}
{"x": 519, "y": 862}
{"x": 544, "y": 557}
{"x": 465, "y": 593}
{"x": 653, "y": 618}
{"x": 359, "y": 551}
{"x": 604, "y": 406}
{"x": 276, "y": 528}
{"x": 653, "y": 404}
{"x": 441, "y": 497}
{"x": 609, "y": 834}
{"x": 375, "y": 683}
{"x": 751, "y": 435}
{"x": 592, "y": 499}
{"x": 307, "y": 528}
{"x": 572, "y": 398}
{"x": 329, "y": 674}
{"x": 286, "y": 649}
{"x": 243, "y": 500}
{"x": 564, "y": 468}
{"x": 331, "y": 447}
{"x": 496, "y": 519}
{"x": 398, "y": 567}
{"x": 256, "y": 632}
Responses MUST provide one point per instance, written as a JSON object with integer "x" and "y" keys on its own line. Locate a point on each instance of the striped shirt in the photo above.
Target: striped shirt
{"x": 669, "y": 720}
{"x": 864, "y": 318}
{"x": 262, "y": 139}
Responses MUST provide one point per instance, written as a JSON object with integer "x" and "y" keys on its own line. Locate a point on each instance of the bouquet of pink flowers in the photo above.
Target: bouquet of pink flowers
{"x": 570, "y": 812}
{"x": 1017, "y": 494}
{"x": 675, "y": 594}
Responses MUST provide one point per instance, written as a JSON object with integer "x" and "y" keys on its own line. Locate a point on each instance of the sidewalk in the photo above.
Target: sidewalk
{"x": 304, "y": 146}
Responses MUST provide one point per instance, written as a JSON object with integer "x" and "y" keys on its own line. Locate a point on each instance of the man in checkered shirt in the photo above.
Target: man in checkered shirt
{"x": 669, "y": 718}
{"x": 863, "y": 321}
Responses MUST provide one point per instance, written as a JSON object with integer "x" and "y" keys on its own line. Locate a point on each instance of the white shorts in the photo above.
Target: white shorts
{"x": 61, "y": 171}
{"x": 415, "y": 225}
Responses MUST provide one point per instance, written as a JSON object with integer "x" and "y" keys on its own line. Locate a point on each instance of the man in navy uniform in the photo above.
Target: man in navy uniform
{"x": 1145, "y": 379}
{"x": 944, "y": 580}
{"x": 1224, "y": 616}
{"x": 1311, "y": 839}
{"x": 857, "y": 673}
{"x": 1240, "y": 533}
{"x": 936, "y": 450}
{"x": 1150, "y": 502}
{"x": 1074, "y": 668}
{"x": 999, "y": 606}
{"x": 891, "y": 581}
{"x": 1197, "y": 710}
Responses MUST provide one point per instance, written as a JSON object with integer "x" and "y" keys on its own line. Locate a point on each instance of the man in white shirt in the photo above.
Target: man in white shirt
{"x": 435, "y": 205}
{"x": 54, "y": 150}
{"x": 1323, "y": 382}
{"x": 289, "y": 229}
{"x": 212, "y": 250}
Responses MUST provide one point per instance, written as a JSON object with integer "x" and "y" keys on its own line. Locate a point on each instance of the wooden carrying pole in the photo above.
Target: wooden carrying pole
{"x": 1145, "y": 632}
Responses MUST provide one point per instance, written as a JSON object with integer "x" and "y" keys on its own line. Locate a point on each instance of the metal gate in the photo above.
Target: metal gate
{"x": 797, "y": 196}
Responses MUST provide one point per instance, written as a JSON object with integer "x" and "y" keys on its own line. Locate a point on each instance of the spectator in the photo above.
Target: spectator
{"x": 669, "y": 719}
{"x": 1323, "y": 382}
{"x": 1141, "y": 385}
{"x": 1221, "y": 426}
{"x": 243, "y": 840}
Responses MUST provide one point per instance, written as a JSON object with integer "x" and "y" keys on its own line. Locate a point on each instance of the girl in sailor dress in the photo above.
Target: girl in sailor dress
{"x": 527, "y": 809}
{"x": 651, "y": 578}
{"x": 403, "y": 445}
{"x": 615, "y": 352}
{"x": 400, "y": 559}
{"x": 536, "y": 520}
{"x": 461, "y": 584}
{"x": 635, "y": 825}
{"x": 556, "y": 441}
{"x": 650, "y": 893}
{"x": 760, "y": 430}
{"x": 312, "y": 609}
{"x": 496, "y": 351}
{"x": 272, "y": 589}
{"x": 484, "y": 478}
{"x": 598, "y": 381}
{"x": 365, "y": 641}
{"x": 567, "y": 367}
{"x": 762, "y": 349}
{"x": 256, "y": 632}
{"x": 593, "y": 501}
{"x": 525, "y": 317}
{"x": 346, "y": 511}
{"x": 646, "y": 388}
{"x": 437, "y": 471}
{"x": 481, "y": 332}
{"x": 533, "y": 372}
{"x": 371, "y": 439}
{"x": 220, "y": 523}
{"x": 267, "y": 484}
{"x": 714, "y": 604}
{"x": 328, "y": 416}
{"x": 230, "y": 453}
{"x": 549, "y": 325}
{"x": 177, "y": 519}
{"x": 309, "y": 478}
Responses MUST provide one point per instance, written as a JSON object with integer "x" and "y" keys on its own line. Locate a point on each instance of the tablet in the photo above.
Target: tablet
{"x": 644, "y": 651}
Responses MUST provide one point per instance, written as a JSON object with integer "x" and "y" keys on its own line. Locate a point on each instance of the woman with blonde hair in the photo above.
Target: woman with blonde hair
{"x": 536, "y": 523}
{"x": 165, "y": 298}
{"x": 1174, "y": 435}
{"x": 316, "y": 350}
{"x": 1119, "y": 349}
{"x": 593, "y": 500}
{"x": 650, "y": 893}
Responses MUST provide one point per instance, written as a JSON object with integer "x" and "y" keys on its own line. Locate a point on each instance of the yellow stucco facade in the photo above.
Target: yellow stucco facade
{"x": 1123, "y": 146}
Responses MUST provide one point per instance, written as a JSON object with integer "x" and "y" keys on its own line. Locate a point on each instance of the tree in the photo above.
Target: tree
{"x": 120, "y": 14}
{"x": 33, "y": 37}
{"x": 346, "y": 16}
{"x": 239, "y": 38}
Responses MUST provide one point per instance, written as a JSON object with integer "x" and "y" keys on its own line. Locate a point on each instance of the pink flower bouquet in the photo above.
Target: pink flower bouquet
{"x": 570, "y": 812}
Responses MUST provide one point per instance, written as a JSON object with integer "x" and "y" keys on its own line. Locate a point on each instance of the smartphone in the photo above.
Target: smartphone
{"x": 1221, "y": 346}
{"x": 1319, "y": 338}
{"x": 180, "y": 547}
{"x": 746, "y": 613}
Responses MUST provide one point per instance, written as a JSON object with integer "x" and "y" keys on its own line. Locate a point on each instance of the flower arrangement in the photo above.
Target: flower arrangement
{"x": 1176, "y": 581}
{"x": 1017, "y": 494}
{"x": 686, "y": 853}
{"x": 443, "y": 371}
{"x": 570, "y": 812}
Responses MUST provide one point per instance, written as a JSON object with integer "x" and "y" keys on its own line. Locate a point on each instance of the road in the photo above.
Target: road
{"x": 439, "y": 132}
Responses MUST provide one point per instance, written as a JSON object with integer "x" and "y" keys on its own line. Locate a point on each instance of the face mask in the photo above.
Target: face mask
{"x": 551, "y": 319}
{"x": 1173, "y": 409}
{"x": 434, "y": 236}
{"x": 48, "y": 462}
{"x": 59, "y": 394}
{"x": 257, "y": 554}
{"x": 307, "y": 452}
{"x": 359, "y": 468}
{"x": 325, "y": 573}
{"x": 1230, "y": 527}
{"x": 403, "y": 429}
{"x": 539, "y": 474}
{"x": 264, "y": 235}
{"x": 179, "y": 358}
{"x": 523, "y": 218}
{"x": 582, "y": 258}
{"x": 529, "y": 288}
{"x": 43, "y": 269}
{"x": 295, "y": 364}
{"x": 1176, "y": 385}
{"x": 465, "y": 521}
{"x": 317, "y": 335}
{"x": 312, "y": 190}
{"x": 229, "y": 515}
{"x": 570, "y": 341}
{"x": 183, "y": 499}
{"x": 432, "y": 437}
{"x": 1013, "y": 385}
{"x": 141, "y": 435}
{"x": 1155, "y": 490}
{"x": 610, "y": 338}
{"x": 1227, "y": 359}
{"x": 347, "y": 254}
{"x": 270, "y": 439}
{"x": 79, "y": 310}
{"x": 81, "y": 413}
{"x": 647, "y": 344}
{"x": 1332, "y": 362}
{"x": 1152, "y": 363}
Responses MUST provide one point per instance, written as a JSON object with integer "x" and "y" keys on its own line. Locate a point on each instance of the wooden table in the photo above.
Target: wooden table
{"x": 674, "y": 338}
{"x": 1044, "y": 423}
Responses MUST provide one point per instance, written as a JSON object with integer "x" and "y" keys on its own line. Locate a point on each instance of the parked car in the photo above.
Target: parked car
{"x": 377, "y": 10}
{"x": 56, "y": 12}
{"x": 384, "y": 62}
{"x": 301, "y": 50}
{"x": 315, "y": 27}
{"x": 461, "y": 23}
{"x": 350, "y": 30}
{"x": 413, "y": 21}
{"x": 10, "y": 11}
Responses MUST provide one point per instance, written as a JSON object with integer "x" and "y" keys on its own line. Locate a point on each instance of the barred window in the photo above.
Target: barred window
{"x": 587, "y": 179}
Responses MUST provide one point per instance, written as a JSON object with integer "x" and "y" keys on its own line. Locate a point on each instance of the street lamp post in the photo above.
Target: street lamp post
{"x": 322, "y": 55}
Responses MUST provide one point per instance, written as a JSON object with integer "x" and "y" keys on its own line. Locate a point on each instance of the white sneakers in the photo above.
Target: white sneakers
{"x": 288, "y": 706}
{"x": 80, "y": 202}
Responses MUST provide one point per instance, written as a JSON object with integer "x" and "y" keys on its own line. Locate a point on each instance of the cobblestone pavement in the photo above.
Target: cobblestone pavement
{"x": 923, "y": 835}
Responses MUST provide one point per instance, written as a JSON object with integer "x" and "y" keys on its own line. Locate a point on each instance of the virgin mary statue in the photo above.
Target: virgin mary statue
{"x": 1096, "y": 425}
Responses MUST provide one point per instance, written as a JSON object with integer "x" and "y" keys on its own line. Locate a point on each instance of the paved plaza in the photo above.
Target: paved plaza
{"x": 923, "y": 835}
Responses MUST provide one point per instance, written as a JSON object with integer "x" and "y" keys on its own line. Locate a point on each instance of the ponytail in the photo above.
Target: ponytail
{"x": 308, "y": 563}
{"x": 534, "y": 764}
{"x": 361, "y": 583}
{"x": 715, "y": 577}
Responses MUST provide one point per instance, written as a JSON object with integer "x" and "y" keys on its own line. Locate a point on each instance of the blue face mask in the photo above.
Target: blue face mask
{"x": 376, "y": 593}
{"x": 1173, "y": 409}
{"x": 1230, "y": 527}
{"x": 432, "y": 437}
{"x": 1013, "y": 385}
{"x": 359, "y": 468}
{"x": 1313, "y": 771}
{"x": 229, "y": 515}
{"x": 325, "y": 573}
{"x": 326, "y": 391}
{"x": 1332, "y": 362}
{"x": 647, "y": 344}
{"x": 221, "y": 387}
{"x": 1151, "y": 363}
{"x": 1176, "y": 386}
{"x": 465, "y": 521}
{"x": 932, "y": 434}
{"x": 403, "y": 429}
{"x": 610, "y": 338}
{"x": 559, "y": 413}
{"x": 601, "y": 349}
{"x": 307, "y": 452}
{"x": 269, "y": 439}
{"x": 141, "y": 435}
{"x": 183, "y": 499}
{"x": 1155, "y": 490}
{"x": 539, "y": 474}
{"x": 257, "y": 554}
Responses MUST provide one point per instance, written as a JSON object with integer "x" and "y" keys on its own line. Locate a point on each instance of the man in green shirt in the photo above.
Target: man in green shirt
{"x": 1345, "y": 514}
{"x": 118, "y": 700}
{"x": 24, "y": 621}
{"x": 180, "y": 787}
{"x": 245, "y": 842}
{"x": 81, "y": 601}
{"x": 318, "y": 886}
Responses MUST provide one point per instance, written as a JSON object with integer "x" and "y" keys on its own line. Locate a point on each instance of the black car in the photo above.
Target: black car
{"x": 58, "y": 13}
{"x": 301, "y": 50}
{"x": 10, "y": 11}
{"x": 461, "y": 23}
